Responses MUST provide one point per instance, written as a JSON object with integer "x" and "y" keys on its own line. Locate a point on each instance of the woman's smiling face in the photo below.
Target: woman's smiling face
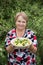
{"x": 20, "y": 23}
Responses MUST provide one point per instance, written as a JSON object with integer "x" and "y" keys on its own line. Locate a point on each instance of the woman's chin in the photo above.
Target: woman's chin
{"x": 20, "y": 28}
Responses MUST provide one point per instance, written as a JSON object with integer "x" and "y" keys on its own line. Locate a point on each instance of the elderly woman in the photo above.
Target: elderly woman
{"x": 21, "y": 56}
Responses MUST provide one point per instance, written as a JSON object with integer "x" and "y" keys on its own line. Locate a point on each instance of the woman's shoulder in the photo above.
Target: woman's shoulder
{"x": 12, "y": 31}
{"x": 29, "y": 31}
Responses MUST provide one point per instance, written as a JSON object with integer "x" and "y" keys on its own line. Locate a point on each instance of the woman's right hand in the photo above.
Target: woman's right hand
{"x": 10, "y": 48}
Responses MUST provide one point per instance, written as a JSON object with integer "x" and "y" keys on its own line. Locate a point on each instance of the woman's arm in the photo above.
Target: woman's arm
{"x": 10, "y": 48}
{"x": 33, "y": 48}
{"x": 33, "y": 38}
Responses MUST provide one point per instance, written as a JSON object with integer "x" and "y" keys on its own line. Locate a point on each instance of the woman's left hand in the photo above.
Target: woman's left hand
{"x": 32, "y": 48}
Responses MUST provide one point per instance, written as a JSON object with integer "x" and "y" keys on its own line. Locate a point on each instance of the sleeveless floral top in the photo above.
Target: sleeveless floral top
{"x": 21, "y": 56}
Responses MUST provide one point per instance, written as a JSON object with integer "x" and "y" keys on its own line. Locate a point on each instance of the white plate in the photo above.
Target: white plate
{"x": 19, "y": 45}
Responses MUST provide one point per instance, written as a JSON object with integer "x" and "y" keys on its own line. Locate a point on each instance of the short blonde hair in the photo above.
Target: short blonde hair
{"x": 21, "y": 14}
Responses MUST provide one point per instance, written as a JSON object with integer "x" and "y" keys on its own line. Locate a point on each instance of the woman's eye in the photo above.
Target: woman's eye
{"x": 19, "y": 21}
{"x": 23, "y": 21}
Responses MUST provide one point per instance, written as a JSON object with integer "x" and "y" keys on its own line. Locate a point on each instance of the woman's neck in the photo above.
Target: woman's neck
{"x": 20, "y": 33}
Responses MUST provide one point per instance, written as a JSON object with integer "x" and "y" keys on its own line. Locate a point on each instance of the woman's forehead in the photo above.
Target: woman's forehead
{"x": 20, "y": 18}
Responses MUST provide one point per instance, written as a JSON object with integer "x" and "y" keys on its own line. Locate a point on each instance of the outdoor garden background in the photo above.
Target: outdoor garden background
{"x": 34, "y": 11}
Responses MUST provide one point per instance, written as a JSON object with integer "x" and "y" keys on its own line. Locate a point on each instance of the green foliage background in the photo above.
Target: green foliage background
{"x": 34, "y": 11}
